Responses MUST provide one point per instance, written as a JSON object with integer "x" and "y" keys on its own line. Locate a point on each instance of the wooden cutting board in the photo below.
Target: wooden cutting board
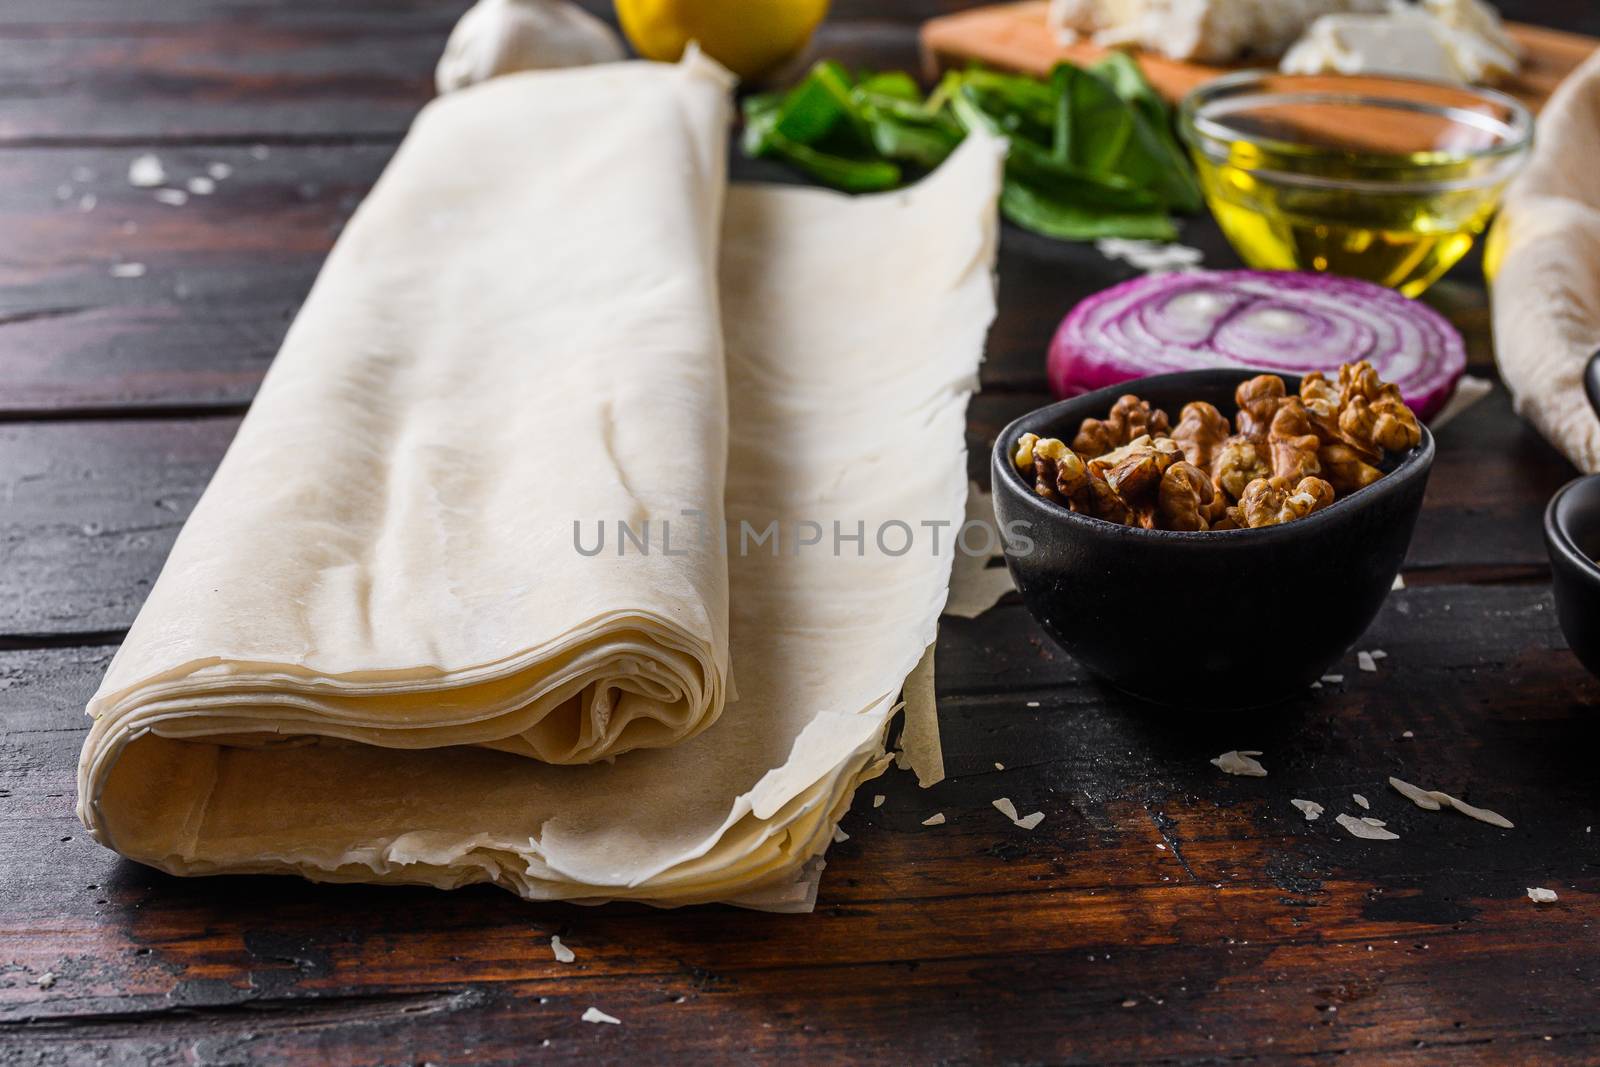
{"x": 1016, "y": 37}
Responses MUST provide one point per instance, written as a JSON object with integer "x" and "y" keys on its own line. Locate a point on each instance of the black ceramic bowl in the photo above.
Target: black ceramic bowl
{"x": 1227, "y": 619}
{"x": 1572, "y": 534}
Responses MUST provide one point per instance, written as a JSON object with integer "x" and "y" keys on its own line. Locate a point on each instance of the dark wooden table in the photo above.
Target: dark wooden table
{"x": 1162, "y": 913}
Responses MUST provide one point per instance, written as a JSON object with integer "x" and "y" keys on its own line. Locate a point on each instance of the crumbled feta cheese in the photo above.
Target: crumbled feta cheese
{"x": 1434, "y": 800}
{"x": 1152, "y": 257}
{"x": 47, "y": 980}
{"x": 171, "y": 197}
{"x": 1493, "y": 818}
{"x": 1441, "y": 40}
{"x": 219, "y": 171}
{"x": 146, "y": 172}
{"x": 127, "y": 270}
{"x": 878, "y": 799}
{"x": 562, "y": 953}
{"x": 936, "y": 819}
{"x": 1240, "y": 763}
{"x": 1004, "y": 806}
{"x": 1365, "y": 830}
{"x": 1366, "y": 662}
{"x": 1542, "y": 896}
{"x": 1311, "y": 809}
{"x": 200, "y": 185}
{"x": 595, "y": 1015}
{"x": 1204, "y": 30}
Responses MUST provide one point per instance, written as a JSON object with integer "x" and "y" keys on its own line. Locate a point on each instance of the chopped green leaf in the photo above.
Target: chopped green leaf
{"x": 818, "y": 105}
{"x": 1051, "y": 216}
{"x": 895, "y": 83}
{"x": 851, "y": 175}
{"x": 1091, "y": 152}
{"x": 926, "y": 146}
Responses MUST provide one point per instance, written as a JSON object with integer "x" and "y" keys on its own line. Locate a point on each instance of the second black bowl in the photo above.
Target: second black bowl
{"x": 1228, "y": 619}
{"x": 1572, "y": 535}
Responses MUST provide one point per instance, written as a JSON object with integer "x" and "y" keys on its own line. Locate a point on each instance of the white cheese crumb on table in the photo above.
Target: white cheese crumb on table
{"x": 127, "y": 270}
{"x": 219, "y": 171}
{"x": 1310, "y": 808}
{"x": 47, "y": 980}
{"x": 1152, "y": 257}
{"x": 1240, "y": 763}
{"x": 562, "y": 953}
{"x": 936, "y": 819}
{"x": 839, "y": 836}
{"x": 595, "y": 1015}
{"x": 1365, "y": 830}
{"x": 1004, "y": 806}
{"x": 171, "y": 197}
{"x": 1434, "y": 800}
{"x": 1366, "y": 662}
{"x": 878, "y": 799}
{"x": 1028, "y": 822}
{"x": 200, "y": 185}
{"x": 146, "y": 171}
{"x": 1542, "y": 896}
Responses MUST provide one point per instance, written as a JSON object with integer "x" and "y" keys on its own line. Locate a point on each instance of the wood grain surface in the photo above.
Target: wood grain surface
{"x": 1162, "y": 913}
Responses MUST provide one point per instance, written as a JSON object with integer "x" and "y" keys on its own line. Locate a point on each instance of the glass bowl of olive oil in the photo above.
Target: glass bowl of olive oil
{"x": 1386, "y": 179}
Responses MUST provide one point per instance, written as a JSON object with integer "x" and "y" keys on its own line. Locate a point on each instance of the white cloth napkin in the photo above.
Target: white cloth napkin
{"x": 1545, "y": 262}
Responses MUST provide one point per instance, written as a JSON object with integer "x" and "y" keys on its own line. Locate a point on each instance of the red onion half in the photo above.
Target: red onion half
{"x": 1270, "y": 320}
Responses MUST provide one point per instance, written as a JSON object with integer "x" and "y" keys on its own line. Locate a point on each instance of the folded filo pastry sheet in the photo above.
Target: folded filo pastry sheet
{"x": 390, "y": 644}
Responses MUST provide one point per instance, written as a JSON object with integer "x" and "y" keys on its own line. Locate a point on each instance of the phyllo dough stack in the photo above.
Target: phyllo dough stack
{"x": 384, "y": 648}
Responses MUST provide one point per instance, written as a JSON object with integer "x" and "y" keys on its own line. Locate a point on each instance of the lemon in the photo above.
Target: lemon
{"x": 749, "y": 37}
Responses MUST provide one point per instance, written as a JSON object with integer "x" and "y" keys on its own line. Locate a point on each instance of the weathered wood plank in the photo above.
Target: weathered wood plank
{"x": 1205, "y": 900}
{"x": 91, "y": 507}
{"x": 222, "y": 274}
{"x": 88, "y": 513}
{"x": 265, "y": 79}
{"x": 243, "y": 70}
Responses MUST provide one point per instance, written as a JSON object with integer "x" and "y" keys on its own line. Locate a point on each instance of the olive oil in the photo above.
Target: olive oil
{"x": 1400, "y": 221}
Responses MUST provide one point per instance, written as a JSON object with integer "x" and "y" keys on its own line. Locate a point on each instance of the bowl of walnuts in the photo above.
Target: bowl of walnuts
{"x": 1214, "y": 538}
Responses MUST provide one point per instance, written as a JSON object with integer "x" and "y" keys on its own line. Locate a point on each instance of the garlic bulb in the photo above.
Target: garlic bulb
{"x": 499, "y": 37}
